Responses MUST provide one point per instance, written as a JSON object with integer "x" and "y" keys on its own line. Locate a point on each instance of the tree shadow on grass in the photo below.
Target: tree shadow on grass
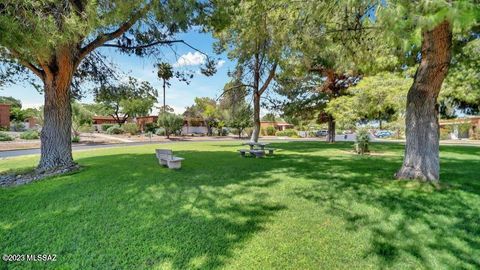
{"x": 125, "y": 211}
{"x": 410, "y": 224}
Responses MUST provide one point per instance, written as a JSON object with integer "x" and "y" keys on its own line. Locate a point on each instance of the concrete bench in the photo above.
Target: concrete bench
{"x": 166, "y": 158}
{"x": 270, "y": 151}
{"x": 243, "y": 152}
{"x": 255, "y": 152}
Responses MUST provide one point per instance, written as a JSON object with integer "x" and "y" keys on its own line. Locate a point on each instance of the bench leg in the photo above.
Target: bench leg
{"x": 174, "y": 164}
{"x": 162, "y": 162}
{"x": 242, "y": 154}
{"x": 270, "y": 152}
{"x": 259, "y": 155}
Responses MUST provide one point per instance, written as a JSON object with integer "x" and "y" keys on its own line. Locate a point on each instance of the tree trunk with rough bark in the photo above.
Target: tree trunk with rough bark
{"x": 56, "y": 144}
{"x": 421, "y": 160}
{"x": 331, "y": 129}
{"x": 256, "y": 118}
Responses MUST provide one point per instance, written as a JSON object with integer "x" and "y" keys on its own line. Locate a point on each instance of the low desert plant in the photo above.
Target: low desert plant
{"x": 105, "y": 127}
{"x": 475, "y": 135}
{"x": 270, "y": 131}
{"x": 30, "y": 135}
{"x": 151, "y": 127}
{"x": 5, "y": 137}
{"x": 18, "y": 126}
{"x": 172, "y": 123}
{"x": 76, "y": 139}
{"x": 86, "y": 129}
{"x": 445, "y": 133}
{"x": 362, "y": 140}
{"x": 160, "y": 132}
{"x": 115, "y": 130}
{"x": 131, "y": 128}
{"x": 233, "y": 131}
{"x": 287, "y": 133}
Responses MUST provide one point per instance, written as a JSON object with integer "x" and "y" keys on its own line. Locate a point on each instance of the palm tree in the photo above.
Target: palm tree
{"x": 164, "y": 73}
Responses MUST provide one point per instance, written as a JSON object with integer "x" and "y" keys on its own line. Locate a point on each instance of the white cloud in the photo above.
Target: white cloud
{"x": 190, "y": 59}
{"x": 220, "y": 64}
{"x": 35, "y": 105}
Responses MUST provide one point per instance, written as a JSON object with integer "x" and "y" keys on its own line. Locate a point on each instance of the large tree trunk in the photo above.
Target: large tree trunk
{"x": 256, "y": 118}
{"x": 331, "y": 129}
{"x": 421, "y": 159}
{"x": 56, "y": 144}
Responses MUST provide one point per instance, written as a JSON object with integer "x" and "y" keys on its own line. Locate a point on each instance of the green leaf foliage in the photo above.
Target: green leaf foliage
{"x": 461, "y": 89}
{"x": 381, "y": 97}
{"x": 172, "y": 123}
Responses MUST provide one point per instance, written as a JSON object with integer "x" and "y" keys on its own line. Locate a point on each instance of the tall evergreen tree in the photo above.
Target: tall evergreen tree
{"x": 429, "y": 26}
{"x": 57, "y": 41}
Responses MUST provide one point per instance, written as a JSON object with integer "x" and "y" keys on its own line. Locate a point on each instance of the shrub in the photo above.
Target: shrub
{"x": 464, "y": 129}
{"x": 160, "y": 132}
{"x": 115, "y": 130}
{"x": 270, "y": 131}
{"x": 30, "y": 135}
{"x": 76, "y": 139}
{"x": 86, "y": 129}
{"x": 445, "y": 133}
{"x": 287, "y": 133}
{"x": 476, "y": 133}
{"x": 172, "y": 123}
{"x": 151, "y": 127}
{"x": 263, "y": 132}
{"x": 18, "y": 126}
{"x": 233, "y": 131}
{"x": 131, "y": 128}
{"x": 5, "y": 137}
{"x": 362, "y": 140}
{"x": 105, "y": 127}
{"x": 224, "y": 132}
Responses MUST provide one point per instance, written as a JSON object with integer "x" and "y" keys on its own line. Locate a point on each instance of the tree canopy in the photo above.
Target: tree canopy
{"x": 127, "y": 99}
{"x": 381, "y": 97}
{"x": 461, "y": 90}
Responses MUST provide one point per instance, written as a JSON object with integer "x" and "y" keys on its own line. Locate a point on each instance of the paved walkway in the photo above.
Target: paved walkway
{"x": 36, "y": 151}
{"x": 24, "y": 152}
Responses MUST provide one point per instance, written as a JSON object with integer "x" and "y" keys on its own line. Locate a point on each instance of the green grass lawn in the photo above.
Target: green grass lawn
{"x": 311, "y": 206}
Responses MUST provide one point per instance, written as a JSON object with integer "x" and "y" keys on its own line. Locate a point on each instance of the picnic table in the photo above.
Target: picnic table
{"x": 259, "y": 144}
{"x": 256, "y": 151}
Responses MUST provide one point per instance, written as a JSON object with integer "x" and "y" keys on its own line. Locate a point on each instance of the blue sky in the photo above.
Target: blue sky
{"x": 179, "y": 95}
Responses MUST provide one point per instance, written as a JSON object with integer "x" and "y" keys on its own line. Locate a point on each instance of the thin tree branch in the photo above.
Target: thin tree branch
{"x": 232, "y": 88}
{"x": 102, "y": 38}
{"x": 160, "y": 42}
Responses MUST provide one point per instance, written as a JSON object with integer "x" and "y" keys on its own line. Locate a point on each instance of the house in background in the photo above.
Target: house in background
{"x": 473, "y": 123}
{"x": 142, "y": 121}
{"x": 278, "y": 125}
{"x": 5, "y": 116}
{"x": 99, "y": 120}
{"x": 190, "y": 126}
{"x": 194, "y": 125}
